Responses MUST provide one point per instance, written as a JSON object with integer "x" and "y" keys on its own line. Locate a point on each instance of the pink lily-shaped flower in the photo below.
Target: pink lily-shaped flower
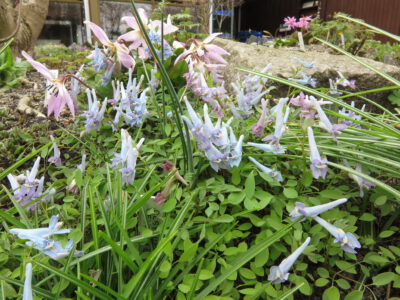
{"x": 136, "y": 36}
{"x": 59, "y": 93}
{"x": 119, "y": 52}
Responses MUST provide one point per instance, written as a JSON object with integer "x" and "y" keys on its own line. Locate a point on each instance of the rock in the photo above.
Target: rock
{"x": 326, "y": 65}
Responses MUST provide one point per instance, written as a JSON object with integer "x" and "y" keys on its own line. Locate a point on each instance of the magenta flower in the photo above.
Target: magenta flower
{"x": 119, "y": 52}
{"x": 59, "y": 93}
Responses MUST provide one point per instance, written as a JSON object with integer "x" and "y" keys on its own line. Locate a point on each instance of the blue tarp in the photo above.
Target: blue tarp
{"x": 222, "y": 12}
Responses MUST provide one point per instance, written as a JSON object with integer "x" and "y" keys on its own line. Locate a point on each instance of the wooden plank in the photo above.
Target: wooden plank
{"x": 95, "y": 11}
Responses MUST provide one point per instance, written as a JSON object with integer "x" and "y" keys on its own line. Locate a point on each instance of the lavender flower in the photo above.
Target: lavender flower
{"x": 313, "y": 211}
{"x": 325, "y": 123}
{"x": 30, "y": 189}
{"x": 99, "y": 60}
{"x": 269, "y": 148}
{"x": 345, "y": 82}
{"x": 276, "y": 175}
{"x": 362, "y": 183}
{"x": 306, "y": 80}
{"x": 55, "y": 250}
{"x": 27, "y": 295}
{"x": 82, "y": 165}
{"x": 351, "y": 114}
{"x": 125, "y": 161}
{"x": 94, "y": 115}
{"x": 279, "y": 274}
{"x": 348, "y": 242}
{"x": 307, "y": 108}
{"x": 56, "y": 159}
{"x": 318, "y": 164}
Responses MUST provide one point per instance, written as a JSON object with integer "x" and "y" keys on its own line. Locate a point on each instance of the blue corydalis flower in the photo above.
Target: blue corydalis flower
{"x": 269, "y": 148}
{"x": 325, "y": 123}
{"x": 351, "y": 115}
{"x": 56, "y": 159}
{"x": 304, "y": 63}
{"x": 318, "y": 164}
{"x": 236, "y": 153}
{"x": 279, "y": 274}
{"x": 306, "y": 80}
{"x": 281, "y": 119}
{"x": 300, "y": 210}
{"x": 362, "y": 183}
{"x": 39, "y": 236}
{"x": 27, "y": 295}
{"x": 348, "y": 242}
{"x": 98, "y": 59}
{"x": 94, "y": 115}
{"x": 55, "y": 250}
{"x": 125, "y": 161}
{"x": 276, "y": 175}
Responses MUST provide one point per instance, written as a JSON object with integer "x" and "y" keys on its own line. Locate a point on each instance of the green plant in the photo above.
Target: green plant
{"x": 11, "y": 72}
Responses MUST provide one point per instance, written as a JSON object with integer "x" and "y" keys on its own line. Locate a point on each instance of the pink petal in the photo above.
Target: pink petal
{"x": 124, "y": 57}
{"x": 131, "y": 22}
{"x": 216, "y": 49}
{"x": 131, "y": 36}
{"x": 143, "y": 54}
{"x": 55, "y": 106}
{"x": 216, "y": 57}
{"x": 211, "y": 37}
{"x": 182, "y": 56}
{"x": 63, "y": 93}
{"x": 39, "y": 67}
{"x": 98, "y": 32}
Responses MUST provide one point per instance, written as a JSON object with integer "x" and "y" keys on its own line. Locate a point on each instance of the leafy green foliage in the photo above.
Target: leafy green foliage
{"x": 11, "y": 72}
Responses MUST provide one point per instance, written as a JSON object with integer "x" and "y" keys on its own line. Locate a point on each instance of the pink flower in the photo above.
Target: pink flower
{"x": 304, "y": 23}
{"x": 59, "y": 94}
{"x": 117, "y": 49}
{"x": 136, "y": 37}
{"x": 291, "y": 22}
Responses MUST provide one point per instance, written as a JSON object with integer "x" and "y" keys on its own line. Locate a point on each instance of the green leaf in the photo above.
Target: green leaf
{"x": 236, "y": 198}
{"x": 367, "y": 217}
{"x": 343, "y": 284}
{"x": 386, "y": 234}
{"x": 383, "y": 278}
{"x": 290, "y": 193}
{"x": 249, "y": 186}
{"x": 244, "y": 258}
{"x": 331, "y": 294}
{"x": 320, "y": 282}
{"x": 354, "y": 295}
{"x": 346, "y": 266}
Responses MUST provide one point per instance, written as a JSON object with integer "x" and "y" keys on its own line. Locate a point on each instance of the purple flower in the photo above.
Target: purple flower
{"x": 301, "y": 210}
{"x": 94, "y": 114}
{"x": 318, "y": 164}
{"x": 362, "y": 183}
{"x": 291, "y": 22}
{"x": 343, "y": 81}
{"x": 279, "y": 274}
{"x": 348, "y": 242}
{"x": 352, "y": 115}
{"x": 56, "y": 159}
{"x": 306, "y": 80}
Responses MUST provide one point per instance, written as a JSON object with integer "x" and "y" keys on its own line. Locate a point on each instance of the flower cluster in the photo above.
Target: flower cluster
{"x": 132, "y": 103}
{"x": 39, "y": 238}
{"x": 204, "y": 58}
{"x": 95, "y": 113}
{"x": 302, "y": 23}
{"x": 28, "y": 190}
{"x": 125, "y": 161}
{"x": 222, "y": 149}
{"x": 248, "y": 93}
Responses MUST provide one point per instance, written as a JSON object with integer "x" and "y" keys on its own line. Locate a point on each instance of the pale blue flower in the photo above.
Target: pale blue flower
{"x": 318, "y": 164}
{"x": 348, "y": 242}
{"x": 279, "y": 274}
{"x": 82, "y": 165}
{"x": 304, "y": 63}
{"x": 27, "y": 295}
{"x": 343, "y": 81}
{"x": 94, "y": 115}
{"x": 236, "y": 153}
{"x": 351, "y": 115}
{"x": 280, "y": 120}
{"x": 56, "y": 159}
{"x": 276, "y": 175}
{"x": 39, "y": 236}
{"x": 269, "y": 148}
{"x": 125, "y": 161}
{"x": 55, "y": 250}
{"x": 98, "y": 59}
{"x": 306, "y": 80}
{"x": 300, "y": 210}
